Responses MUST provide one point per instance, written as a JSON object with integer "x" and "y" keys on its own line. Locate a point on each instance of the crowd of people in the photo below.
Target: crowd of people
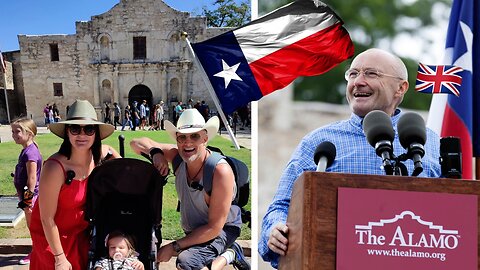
{"x": 142, "y": 116}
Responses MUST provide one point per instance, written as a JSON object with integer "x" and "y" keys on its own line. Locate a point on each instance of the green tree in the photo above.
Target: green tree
{"x": 372, "y": 23}
{"x": 227, "y": 13}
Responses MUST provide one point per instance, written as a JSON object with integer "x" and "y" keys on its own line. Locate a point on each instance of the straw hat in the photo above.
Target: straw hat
{"x": 81, "y": 112}
{"x": 192, "y": 121}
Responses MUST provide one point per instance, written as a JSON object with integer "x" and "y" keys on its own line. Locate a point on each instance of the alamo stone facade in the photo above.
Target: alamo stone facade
{"x": 134, "y": 51}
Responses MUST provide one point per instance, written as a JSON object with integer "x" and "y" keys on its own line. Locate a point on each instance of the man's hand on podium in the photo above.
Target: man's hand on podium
{"x": 278, "y": 239}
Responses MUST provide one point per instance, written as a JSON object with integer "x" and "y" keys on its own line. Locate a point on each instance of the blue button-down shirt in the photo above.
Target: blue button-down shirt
{"x": 354, "y": 155}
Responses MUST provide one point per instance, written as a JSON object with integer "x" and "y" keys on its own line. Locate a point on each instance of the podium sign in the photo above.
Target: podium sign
{"x": 313, "y": 217}
{"x": 396, "y": 230}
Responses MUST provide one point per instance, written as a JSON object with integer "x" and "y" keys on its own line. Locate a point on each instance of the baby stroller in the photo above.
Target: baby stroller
{"x": 125, "y": 194}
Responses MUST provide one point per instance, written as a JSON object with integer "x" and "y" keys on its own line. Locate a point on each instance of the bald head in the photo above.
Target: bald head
{"x": 390, "y": 62}
{"x": 382, "y": 91}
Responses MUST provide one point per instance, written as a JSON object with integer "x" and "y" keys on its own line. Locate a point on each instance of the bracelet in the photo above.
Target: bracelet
{"x": 56, "y": 255}
{"x": 155, "y": 151}
{"x": 176, "y": 247}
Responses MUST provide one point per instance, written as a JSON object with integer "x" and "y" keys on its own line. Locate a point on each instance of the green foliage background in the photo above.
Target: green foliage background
{"x": 371, "y": 23}
{"x": 227, "y": 13}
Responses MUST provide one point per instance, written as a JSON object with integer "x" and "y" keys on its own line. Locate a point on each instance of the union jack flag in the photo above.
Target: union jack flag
{"x": 438, "y": 79}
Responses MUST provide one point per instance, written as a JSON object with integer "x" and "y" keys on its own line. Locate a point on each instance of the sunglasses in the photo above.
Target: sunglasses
{"x": 183, "y": 137}
{"x": 89, "y": 130}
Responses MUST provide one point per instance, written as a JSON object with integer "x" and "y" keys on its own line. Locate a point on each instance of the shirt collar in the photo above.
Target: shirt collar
{"x": 357, "y": 121}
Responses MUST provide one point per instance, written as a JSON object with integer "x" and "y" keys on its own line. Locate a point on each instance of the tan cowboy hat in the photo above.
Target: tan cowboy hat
{"x": 81, "y": 112}
{"x": 192, "y": 121}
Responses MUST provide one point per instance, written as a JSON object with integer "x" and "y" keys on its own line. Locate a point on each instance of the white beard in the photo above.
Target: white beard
{"x": 193, "y": 158}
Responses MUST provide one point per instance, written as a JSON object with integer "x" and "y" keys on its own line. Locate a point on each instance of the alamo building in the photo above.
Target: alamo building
{"x": 132, "y": 52}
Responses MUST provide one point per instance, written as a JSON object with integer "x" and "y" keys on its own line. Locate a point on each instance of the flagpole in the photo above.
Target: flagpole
{"x": 212, "y": 92}
{"x": 4, "y": 75}
{"x": 3, "y": 69}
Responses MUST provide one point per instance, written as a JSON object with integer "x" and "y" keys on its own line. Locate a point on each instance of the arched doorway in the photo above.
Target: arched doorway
{"x": 139, "y": 93}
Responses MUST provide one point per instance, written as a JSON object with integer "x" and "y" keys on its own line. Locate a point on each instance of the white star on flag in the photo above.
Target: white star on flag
{"x": 228, "y": 73}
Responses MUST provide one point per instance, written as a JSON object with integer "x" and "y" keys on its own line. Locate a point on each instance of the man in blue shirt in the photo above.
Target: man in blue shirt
{"x": 376, "y": 80}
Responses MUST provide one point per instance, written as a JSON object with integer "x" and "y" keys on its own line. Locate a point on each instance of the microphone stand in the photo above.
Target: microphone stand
{"x": 395, "y": 166}
{"x": 400, "y": 167}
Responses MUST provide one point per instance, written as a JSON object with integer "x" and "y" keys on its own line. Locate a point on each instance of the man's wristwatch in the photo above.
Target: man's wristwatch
{"x": 176, "y": 247}
{"x": 155, "y": 151}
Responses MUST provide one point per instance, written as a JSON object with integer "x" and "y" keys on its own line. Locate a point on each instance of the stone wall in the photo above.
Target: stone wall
{"x": 15, "y": 97}
{"x": 96, "y": 63}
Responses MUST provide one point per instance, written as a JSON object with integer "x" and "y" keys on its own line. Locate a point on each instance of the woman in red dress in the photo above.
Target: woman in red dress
{"x": 59, "y": 231}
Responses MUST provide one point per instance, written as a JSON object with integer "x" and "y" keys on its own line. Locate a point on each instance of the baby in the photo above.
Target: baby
{"x": 121, "y": 254}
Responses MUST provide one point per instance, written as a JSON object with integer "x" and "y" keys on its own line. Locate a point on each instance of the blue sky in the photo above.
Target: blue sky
{"x": 36, "y": 17}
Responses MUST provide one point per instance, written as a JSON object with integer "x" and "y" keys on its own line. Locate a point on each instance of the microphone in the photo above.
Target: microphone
{"x": 412, "y": 134}
{"x": 378, "y": 129}
{"x": 451, "y": 157}
{"x": 324, "y": 155}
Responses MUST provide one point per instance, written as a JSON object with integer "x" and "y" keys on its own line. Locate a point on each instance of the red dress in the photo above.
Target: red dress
{"x": 72, "y": 228}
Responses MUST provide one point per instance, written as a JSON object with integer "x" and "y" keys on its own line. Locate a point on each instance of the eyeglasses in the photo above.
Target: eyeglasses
{"x": 183, "y": 137}
{"x": 369, "y": 73}
{"x": 89, "y": 130}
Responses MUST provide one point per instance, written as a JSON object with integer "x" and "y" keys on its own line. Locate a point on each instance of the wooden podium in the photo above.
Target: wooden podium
{"x": 312, "y": 217}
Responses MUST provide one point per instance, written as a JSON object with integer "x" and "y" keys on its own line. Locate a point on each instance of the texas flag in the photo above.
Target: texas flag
{"x": 460, "y": 116}
{"x": 303, "y": 38}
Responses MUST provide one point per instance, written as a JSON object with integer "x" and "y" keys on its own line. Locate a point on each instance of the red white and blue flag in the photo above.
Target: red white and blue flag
{"x": 460, "y": 117}
{"x": 438, "y": 79}
{"x": 303, "y": 38}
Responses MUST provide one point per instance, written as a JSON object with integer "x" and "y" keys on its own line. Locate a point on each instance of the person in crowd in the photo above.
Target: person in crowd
{"x": 148, "y": 121}
{"x": 51, "y": 115}
{"x": 116, "y": 115}
{"x": 178, "y": 111}
{"x": 135, "y": 115}
{"x": 56, "y": 113}
{"x": 243, "y": 113}
{"x": 127, "y": 118}
{"x": 108, "y": 118}
{"x": 60, "y": 237}
{"x": 46, "y": 111}
{"x": 197, "y": 106}
{"x": 376, "y": 80}
{"x": 121, "y": 254}
{"x": 161, "y": 112}
{"x": 27, "y": 170}
{"x": 205, "y": 110}
{"x": 210, "y": 222}
{"x": 155, "y": 122}
{"x": 143, "y": 115}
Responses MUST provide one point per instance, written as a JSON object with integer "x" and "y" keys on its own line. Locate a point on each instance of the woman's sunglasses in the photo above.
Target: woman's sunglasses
{"x": 89, "y": 130}
{"x": 183, "y": 137}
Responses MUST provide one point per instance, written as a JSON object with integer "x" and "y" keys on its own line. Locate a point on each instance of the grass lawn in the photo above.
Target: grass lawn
{"x": 49, "y": 144}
